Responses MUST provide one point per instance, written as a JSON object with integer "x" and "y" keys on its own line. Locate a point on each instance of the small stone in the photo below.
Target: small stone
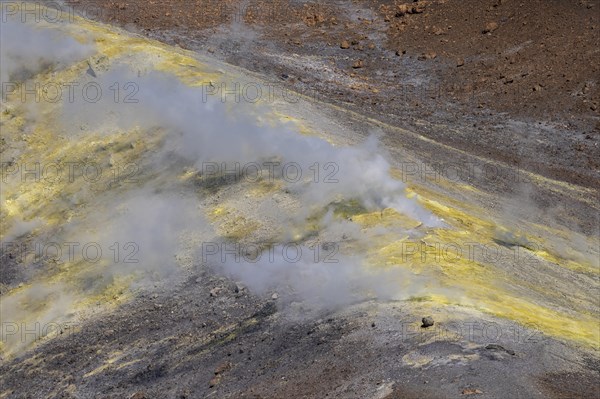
{"x": 471, "y": 391}
{"x": 215, "y": 291}
{"x": 403, "y": 9}
{"x": 223, "y": 367}
{"x": 427, "y": 322}
{"x": 427, "y": 56}
{"x": 215, "y": 381}
{"x": 460, "y": 62}
{"x": 345, "y": 44}
{"x": 490, "y": 27}
{"x": 275, "y": 296}
{"x": 358, "y": 64}
{"x": 239, "y": 287}
{"x": 138, "y": 395}
{"x": 415, "y": 8}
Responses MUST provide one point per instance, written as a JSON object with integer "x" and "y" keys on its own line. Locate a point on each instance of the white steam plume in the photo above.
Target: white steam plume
{"x": 27, "y": 49}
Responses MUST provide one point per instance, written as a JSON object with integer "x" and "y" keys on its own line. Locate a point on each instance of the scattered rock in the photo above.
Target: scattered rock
{"x": 427, "y": 56}
{"x": 345, "y": 44}
{"x": 400, "y": 52}
{"x": 471, "y": 391}
{"x": 215, "y": 381}
{"x": 385, "y": 390}
{"x": 427, "y": 322}
{"x": 490, "y": 27}
{"x": 586, "y": 89}
{"x": 358, "y": 64}
{"x": 414, "y": 8}
{"x": 138, "y": 395}
{"x": 215, "y": 291}
{"x": 460, "y": 62}
{"x": 439, "y": 31}
{"x": 275, "y": 296}
{"x": 403, "y": 9}
{"x": 313, "y": 18}
{"x": 223, "y": 367}
{"x": 239, "y": 287}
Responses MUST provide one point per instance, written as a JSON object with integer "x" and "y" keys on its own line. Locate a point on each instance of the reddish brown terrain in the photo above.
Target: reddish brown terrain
{"x": 509, "y": 80}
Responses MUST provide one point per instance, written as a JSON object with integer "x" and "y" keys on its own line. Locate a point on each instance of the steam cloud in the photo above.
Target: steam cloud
{"x": 27, "y": 49}
{"x": 197, "y": 129}
{"x": 201, "y": 129}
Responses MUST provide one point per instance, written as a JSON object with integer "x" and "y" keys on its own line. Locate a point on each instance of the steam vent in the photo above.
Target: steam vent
{"x": 300, "y": 199}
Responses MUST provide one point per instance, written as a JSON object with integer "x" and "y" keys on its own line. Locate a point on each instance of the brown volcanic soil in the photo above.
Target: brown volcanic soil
{"x": 525, "y": 92}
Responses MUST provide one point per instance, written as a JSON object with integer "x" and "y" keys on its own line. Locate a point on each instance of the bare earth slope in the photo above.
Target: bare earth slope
{"x": 517, "y": 80}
